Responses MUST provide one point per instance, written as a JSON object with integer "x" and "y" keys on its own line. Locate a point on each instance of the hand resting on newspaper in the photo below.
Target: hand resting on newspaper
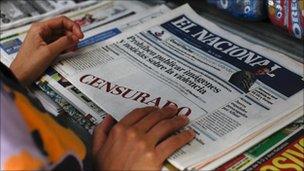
{"x": 142, "y": 140}
{"x": 43, "y": 43}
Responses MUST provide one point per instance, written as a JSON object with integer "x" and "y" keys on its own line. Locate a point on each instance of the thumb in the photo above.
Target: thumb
{"x": 62, "y": 44}
{"x": 101, "y": 132}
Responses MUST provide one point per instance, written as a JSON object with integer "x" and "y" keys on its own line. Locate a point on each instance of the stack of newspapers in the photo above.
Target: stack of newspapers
{"x": 244, "y": 101}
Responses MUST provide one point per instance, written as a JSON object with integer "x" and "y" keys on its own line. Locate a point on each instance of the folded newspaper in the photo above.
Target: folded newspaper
{"x": 235, "y": 92}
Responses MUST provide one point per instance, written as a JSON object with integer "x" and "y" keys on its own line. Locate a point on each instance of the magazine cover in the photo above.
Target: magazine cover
{"x": 288, "y": 156}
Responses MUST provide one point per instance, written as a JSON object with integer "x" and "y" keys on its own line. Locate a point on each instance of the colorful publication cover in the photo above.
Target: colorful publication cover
{"x": 287, "y": 156}
{"x": 244, "y": 160}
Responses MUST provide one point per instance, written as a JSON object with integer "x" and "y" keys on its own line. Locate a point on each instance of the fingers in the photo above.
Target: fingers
{"x": 62, "y": 44}
{"x": 173, "y": 143}
{"x": 100, "y": 133}
{"x": 66, "y": 23}
{"x": 166, "y": 127}
{"x": 136, "y": 115}
{"x": 156, "y": 116}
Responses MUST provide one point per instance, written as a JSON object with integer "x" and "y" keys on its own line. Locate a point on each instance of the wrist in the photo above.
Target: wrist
{"x": 18, "y": 72}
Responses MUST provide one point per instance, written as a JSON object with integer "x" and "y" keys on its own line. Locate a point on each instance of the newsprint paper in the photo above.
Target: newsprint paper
{"x": 232, "y": 90}
{"x": 16, "y": 13}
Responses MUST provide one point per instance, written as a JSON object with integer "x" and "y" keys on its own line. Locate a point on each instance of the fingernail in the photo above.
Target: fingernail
{"x": 183, "y": 112}
{"x": 185, "y": 118}
{"x": 172, "y": 106}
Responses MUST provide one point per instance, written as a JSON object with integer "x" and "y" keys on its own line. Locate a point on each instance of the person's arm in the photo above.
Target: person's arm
{"x": 43, "y": 43}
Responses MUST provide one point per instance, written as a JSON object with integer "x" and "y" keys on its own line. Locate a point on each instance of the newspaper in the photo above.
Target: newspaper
{"x": 98, "y": 14}
{"x": 91, "y": 20}
{"x": 16, "y": 13}
{"x": 120, "y": 15}
{"x": 232, "y": 90}
{"x": 108, "y": 31}
{"x": 70, "y": 92}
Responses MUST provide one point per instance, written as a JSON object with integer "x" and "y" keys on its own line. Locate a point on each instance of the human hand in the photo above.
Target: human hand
{"x": 142, "y": 140}
{"x": 43, "y": 43}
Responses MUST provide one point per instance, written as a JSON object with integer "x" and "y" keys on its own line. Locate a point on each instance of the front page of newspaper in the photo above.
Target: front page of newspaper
{"x": 228, "y": 87}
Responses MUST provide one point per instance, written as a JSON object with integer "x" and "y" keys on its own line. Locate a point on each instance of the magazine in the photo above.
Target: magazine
{"x": 241, "y": 162}
{"x": 231, "y": 90}
{"x": 287, "y": 156}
